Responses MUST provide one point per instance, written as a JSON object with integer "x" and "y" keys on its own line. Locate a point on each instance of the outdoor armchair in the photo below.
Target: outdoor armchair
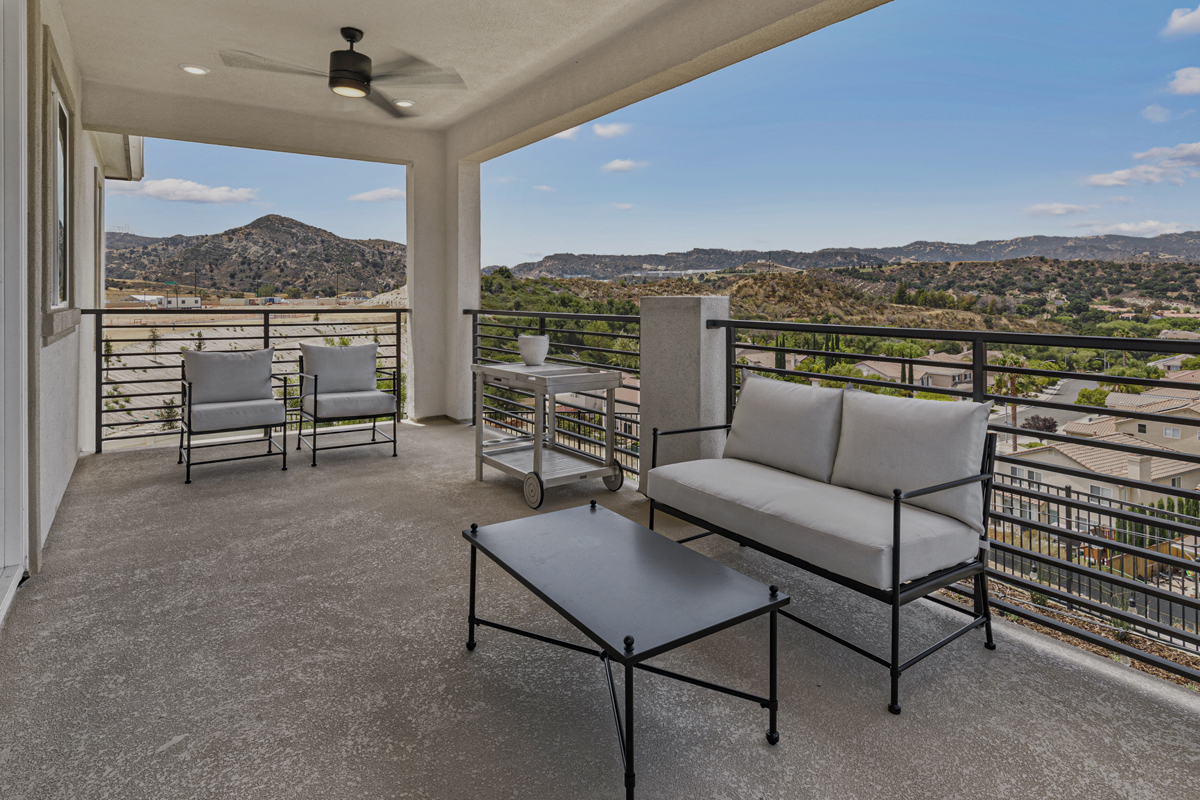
{"x": 228, "y": 392}
{"x": 340, "y": 384}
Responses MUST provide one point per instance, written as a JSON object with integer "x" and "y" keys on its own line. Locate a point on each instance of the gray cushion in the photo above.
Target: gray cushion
{"x": 246, "y": 414}
{"x": 789, "y": 426}
{"x": 229, "y": 377}
{"x": 901, "y": 443}
{"x": 351, "y": 404}
{"x": 844, "y": 531}
{"x": 340, "y": 369}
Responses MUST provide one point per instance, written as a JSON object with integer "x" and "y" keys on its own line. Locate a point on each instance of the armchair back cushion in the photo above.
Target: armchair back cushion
{"x": 229, "y": 377}
{"x": 340, "y": 369}
{"x": 788, "y": 426}
{"x": 901, "y": 443}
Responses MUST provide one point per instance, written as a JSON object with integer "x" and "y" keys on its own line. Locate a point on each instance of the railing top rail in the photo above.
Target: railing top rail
{"x": 636, "y": 320}
{"x": 240, "y": 310}
{"x": 997, "y": 337}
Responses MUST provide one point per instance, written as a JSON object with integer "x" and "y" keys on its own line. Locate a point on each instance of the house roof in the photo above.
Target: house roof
{"x": 1115, "y": 462}
{"x": 1092, "y": 426}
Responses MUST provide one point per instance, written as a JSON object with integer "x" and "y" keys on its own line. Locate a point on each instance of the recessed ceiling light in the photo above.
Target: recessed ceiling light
{"x": 403, "y": 103}
{"x": 194, "y": 69}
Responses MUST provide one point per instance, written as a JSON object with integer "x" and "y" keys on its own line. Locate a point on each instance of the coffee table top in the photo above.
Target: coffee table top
{"x": 612, "y": 578}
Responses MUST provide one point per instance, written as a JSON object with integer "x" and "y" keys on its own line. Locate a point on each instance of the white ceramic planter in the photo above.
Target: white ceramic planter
{"x": 533, "y": 349}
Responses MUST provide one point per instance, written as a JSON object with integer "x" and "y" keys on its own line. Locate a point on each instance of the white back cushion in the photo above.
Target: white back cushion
{"x": 788, "y": 426}
{"x": 340, "y": 369}
{"x": 229, "y": 377}
{"x": 901, "y": 443}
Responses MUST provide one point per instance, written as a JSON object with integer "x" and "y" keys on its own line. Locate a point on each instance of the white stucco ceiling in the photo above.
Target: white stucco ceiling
{"x": 497, "y": 46}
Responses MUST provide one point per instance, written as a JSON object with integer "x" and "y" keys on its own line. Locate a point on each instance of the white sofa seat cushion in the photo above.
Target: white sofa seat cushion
{"x": 229, "y": 377}
{"x": 247, "y": 414}
{"x": 332, "y": 405}
{"x": 842, "y": 530}
{"x": 789, "y": 426}
{"x": 900, "y": 443}
{"x": 339, "y": 369}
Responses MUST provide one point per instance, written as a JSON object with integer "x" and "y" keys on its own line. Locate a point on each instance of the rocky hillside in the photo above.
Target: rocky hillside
{"x": 272, "y": 250}
{"x": 1171, "y": 247}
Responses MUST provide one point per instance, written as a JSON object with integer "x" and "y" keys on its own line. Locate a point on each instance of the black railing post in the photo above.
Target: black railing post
{"x": 266, "y": 326}
{"x": 100, "y": 383}
{"x": 730, "y": 370}
{"x": 476, "y": 337}
{"x": 979, "y": 370}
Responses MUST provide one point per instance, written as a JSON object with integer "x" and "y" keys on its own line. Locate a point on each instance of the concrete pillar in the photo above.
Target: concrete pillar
{"x": 443, "y": 279}
{"x": 1139, "y": 468}
{"x": 682, "y": 376}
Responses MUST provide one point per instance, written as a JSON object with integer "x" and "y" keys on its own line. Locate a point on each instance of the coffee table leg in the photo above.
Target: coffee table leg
{"x": 772, "y": 731}
{"x": 629, "y": 774}
{"x": 471, "y": 610}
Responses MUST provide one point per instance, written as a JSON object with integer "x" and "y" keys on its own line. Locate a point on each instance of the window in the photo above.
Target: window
{"x": 1171, "y": 433}
{"x": 60, "y": 278}
{"x": 1034, "y": 476}
{"x": 1017, "y": 472}
{"x": 1100, "y": 491}
{"x": 1177, "y": 483}
{"x": 1141, "y": 427}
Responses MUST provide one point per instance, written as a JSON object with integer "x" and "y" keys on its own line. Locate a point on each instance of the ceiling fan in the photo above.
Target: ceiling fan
{"x": 351, "y": 73}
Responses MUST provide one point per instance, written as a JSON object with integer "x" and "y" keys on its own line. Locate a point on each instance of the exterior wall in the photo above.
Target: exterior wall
{"x": 1044, "y": 461}
{"x": 1189, "y": 428}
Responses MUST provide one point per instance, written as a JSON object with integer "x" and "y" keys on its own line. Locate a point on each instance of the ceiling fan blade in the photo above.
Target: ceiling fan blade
{"x": 240, "y": 59}
{"x": 412, "y": 71}
{"x": 391, "y": 109}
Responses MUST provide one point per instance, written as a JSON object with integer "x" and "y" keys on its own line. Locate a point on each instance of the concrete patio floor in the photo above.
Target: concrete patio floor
{"x": 299, "y": 634}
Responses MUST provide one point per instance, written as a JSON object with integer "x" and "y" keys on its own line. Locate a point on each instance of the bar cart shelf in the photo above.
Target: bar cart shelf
{"x": 538, "y": 457}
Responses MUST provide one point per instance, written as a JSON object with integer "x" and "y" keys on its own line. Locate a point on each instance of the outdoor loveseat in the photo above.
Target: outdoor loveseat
{"x": 887, "y": 496}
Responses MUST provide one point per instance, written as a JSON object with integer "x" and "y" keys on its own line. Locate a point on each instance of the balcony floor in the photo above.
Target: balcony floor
{"x": 261, "y": 634}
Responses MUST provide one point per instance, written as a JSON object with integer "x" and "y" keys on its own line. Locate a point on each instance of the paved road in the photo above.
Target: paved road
{"x": 1066, "y": 393}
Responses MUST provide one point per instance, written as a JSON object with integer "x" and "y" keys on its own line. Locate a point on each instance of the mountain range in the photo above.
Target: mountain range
{"x": 1167, "y": 248}
{"x": 272, "y": 250}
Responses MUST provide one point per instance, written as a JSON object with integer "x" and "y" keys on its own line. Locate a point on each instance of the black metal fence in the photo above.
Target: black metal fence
{"x": 1099, "y": 525}
{"x": 138, "y": 359}
{"x": 601, "y": 340}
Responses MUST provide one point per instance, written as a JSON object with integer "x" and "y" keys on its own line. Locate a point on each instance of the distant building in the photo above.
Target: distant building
{"x": 182, "y": 301}
{"x": 1188, "y": 336}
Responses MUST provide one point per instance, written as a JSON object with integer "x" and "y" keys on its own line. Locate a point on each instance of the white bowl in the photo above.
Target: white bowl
{"x": 533, "y": 349}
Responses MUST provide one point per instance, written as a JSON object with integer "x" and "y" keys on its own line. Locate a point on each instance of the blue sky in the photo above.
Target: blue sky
{"x": 954, "y": 120}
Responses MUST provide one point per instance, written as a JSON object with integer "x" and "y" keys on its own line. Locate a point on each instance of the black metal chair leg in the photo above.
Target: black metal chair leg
{"x": 894, "y": 705}
{"x": 181, "y": 432}
{"x": 314, "y": 442}
{"x": 283, "y": 448}
{"x": 374, "y": 420}
{"x": 981, "y": 588}
{"x": 299, "y": 433}
{"x": 395, "y": 436}
{"x": 188, "y": 468}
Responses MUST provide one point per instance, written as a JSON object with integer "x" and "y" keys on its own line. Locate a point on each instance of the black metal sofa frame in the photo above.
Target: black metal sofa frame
{"x": 185, "y": 433}
{"x": 900, "y": 594}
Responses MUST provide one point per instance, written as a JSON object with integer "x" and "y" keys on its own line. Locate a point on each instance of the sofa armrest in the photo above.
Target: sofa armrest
{"x": 655, "y": 433}
{"x": 941, "y": 487}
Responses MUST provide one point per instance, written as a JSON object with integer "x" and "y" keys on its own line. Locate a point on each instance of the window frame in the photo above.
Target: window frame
{"x": 61, "y": 218}
{"x": 1168, "y": 428}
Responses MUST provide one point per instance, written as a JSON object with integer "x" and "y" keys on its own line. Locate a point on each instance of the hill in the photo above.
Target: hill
{"x": 272, "y": 250}
{"x": 1171, "y": 247}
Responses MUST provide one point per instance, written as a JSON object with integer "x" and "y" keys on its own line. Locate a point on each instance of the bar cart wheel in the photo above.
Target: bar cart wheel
{"x": 614, "y": 482}
{"x": 534, "y": 491}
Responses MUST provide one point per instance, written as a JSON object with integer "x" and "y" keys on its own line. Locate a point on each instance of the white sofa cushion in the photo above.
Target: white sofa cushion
{"x": 902, "y": 443}
{"x": 339, "y": 369}
{"x": 350, "y": 404}
{"x": 229, "y": 377}
{"x": 246, "y": 414}
{"x": 789, "y": 426}
{"x": 838, "y": 529}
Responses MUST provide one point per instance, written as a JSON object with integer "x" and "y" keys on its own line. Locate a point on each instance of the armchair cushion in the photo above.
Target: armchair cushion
{"x": 229, "y": 377}
{"x": 340, "y": 369}
{"x": 244, "y": 414}
{"x": 789, "y": 426}
{"x": 335, "y": 405}
{"x": 902, "y": 443}
{"x": 841, "y": 530}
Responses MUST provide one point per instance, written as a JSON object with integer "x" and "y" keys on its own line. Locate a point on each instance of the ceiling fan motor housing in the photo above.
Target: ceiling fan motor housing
{"x": 349, "y": 73}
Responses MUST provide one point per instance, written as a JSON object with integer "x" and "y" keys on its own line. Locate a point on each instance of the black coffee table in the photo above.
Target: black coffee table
{"x": 632, "y": 591}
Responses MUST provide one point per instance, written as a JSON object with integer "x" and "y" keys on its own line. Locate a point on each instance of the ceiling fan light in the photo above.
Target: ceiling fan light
{"x": 194, "y": 69}
{"x": 349, "y": 87}
{"x": 404, "y": 103}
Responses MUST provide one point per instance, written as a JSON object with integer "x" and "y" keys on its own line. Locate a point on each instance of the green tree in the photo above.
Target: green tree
{"x": 154, "y": 337}
{"x": 265, "y": 290}
{"x": 1092, "y": 397}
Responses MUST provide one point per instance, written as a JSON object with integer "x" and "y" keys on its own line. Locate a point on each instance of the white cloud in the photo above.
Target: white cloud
{"x": 1120, "y": 199}
{"x": 1057, "y": 209}
{"x": 623, "y": 206}
{"x": 623, "y": 165}
{"x": 611, "y": 129}
{"x": 1156, "y": 113}
{"x": 569, "y": 134}
{"x": 384, "y": 195}
{"x": 1186, "y": 81}
{"x": 1170, "y": 164}
{"x": 180, "y": 191}
{"x": 1148, "y": 228}
{"x": 543, "y": 188}
{"x": 1182, "y": 22}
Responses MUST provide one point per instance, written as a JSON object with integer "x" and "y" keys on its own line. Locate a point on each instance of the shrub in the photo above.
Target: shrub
{"x": 1040, "y": 423}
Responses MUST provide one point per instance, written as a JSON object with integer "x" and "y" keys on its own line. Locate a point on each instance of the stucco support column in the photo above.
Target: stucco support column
{"x": 443, "y": 279}
{"x": 682, "y": 376}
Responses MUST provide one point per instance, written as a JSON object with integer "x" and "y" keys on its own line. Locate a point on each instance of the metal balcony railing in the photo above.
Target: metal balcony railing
{"x": 138, "y": 354}
{"x": 609, "y": 341}
{"x": 1121, "y": 558}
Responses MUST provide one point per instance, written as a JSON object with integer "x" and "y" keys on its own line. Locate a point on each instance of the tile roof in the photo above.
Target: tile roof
{"x": 1092, "y": 426}
{"x": 1115, "y": 462}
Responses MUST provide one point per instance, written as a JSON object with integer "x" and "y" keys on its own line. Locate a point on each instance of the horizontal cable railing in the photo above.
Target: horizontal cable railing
{"x": 139, "y": 364}
{"x": 1093, "y": 528}
{"x": 606, "y": 341}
